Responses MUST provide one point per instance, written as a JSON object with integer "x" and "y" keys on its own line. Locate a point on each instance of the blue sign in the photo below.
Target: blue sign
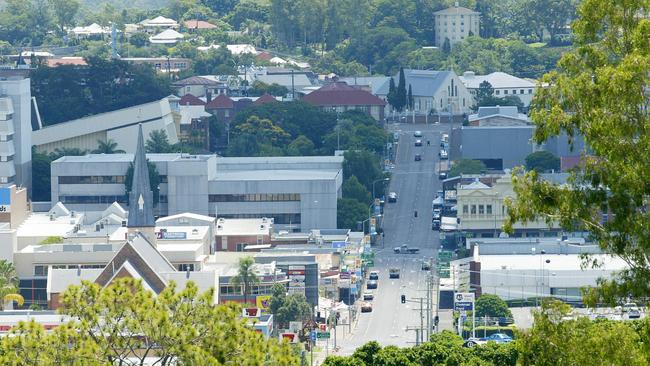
{"x": 312, "y": 336}
{"x": 354, "y": 290}
{"x": 338, "y": 244}
{"x": 5, "y": 196}
{"x": 464, "y": 305}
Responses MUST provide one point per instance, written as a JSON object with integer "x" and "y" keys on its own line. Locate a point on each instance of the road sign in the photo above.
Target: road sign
{"x": 464, "y": 301}
{"x": 323, "y": 335}
{"x": 313, "y": 335}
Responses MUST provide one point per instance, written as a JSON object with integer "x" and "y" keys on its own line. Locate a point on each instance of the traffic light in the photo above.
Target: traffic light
{"x": 403, "y": 299}
{"x": 436, "y": 320}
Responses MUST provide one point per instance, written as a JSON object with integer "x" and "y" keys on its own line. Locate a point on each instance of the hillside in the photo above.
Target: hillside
{"x": 129, "y": 4}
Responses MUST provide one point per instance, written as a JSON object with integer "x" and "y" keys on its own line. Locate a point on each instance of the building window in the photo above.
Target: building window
{"x": 260, "y": 197}
{"x": 230, "y": 290}
{"x": 497, "y": 92}
{"x": 514, "y": 91}
{"x": 93, "y": 199}
{"x": 240, "y": 247}
{"x": 163, "y": 179}
{"x": 530, "y": 91}
{"x": 184, "y": 267}
{"x": 40, "y": 271}
{"x": 521, "y": 91}
{"x": 488, "y": 209}
{"x": 7, "y": 158}
{"x": 473, "y": 210}
{"x": 92, "y": 179}
{"x": 505, "y": 92}
{"x": 162, "y": 198}
{"x": 465, "y": 209}
{"x": 278, "y": 218}
{"x": 481, "y": 210}
{"x": 4, "y": 138}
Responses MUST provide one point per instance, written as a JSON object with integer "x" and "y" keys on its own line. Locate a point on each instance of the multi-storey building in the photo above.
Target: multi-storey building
{"x": 455, "y": 24}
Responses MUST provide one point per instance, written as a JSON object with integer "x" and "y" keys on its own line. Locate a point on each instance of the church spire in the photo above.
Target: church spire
{"x": 141, "y": 196}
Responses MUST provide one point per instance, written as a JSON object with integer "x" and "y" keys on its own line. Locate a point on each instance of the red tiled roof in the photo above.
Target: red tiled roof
{"x": 220, "y": 102}
{"x": 198, "y": 24}
{"x": 264, "y": 56}
{"x": 77, "y": 61}
{"x": 195, "y": 80}
{"x": 340, "y": 93}
{"x": 266, "y": 98}
{"x": 189, "y": 99}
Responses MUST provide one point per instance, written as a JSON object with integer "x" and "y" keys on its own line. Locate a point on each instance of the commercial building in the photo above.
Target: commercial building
{"x": 15, "y": 128}
{"x": 455, "y": 24}
{"x": 298, "y": 193}
{"x": 503, "y": 85}
{"x": 119, "y": 125}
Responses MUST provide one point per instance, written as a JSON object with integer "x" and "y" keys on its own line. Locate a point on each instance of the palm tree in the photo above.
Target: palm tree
{"x": 245, "y": 276}
{"x": 9, "y": 283}
{"x": 107, "y": 147}
{"x": 67, "y": 151}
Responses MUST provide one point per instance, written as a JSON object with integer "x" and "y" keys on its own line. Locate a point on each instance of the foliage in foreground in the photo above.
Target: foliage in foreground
{"x": 179, "y": 327}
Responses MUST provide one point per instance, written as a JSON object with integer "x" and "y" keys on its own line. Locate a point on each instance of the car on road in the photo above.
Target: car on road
{"x": 374, "y": 275}
{"x": 417, "y": 134}
{"x": 496, "y": 337}
{"x": 418, "y": 157}
{"x": 366, "y": 307}
{"x": 392, "y": 197}
{"x": 435, "y": 225}
{"x": 629, "y": 306}
{"x": 442, "y": 175}
{"x": 418, "y": 142}
{"x": 371, "y": 285}
{"x": 393, "y": 273}
{"x": 404, "y": 249}
{"x": 444, "y": 154}
{"x": 633, "y": 314}
{"x": 426, "y": 265}
{"x": 368, "y": 296}
{"x": 395, "y": 136}
{"x": 437, "y": 213}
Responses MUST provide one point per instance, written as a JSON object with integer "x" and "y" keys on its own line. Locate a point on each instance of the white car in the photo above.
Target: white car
{"x": 368, "y": 296}
{"x": 417, "y": 134}
{"x": 444, "y": 154}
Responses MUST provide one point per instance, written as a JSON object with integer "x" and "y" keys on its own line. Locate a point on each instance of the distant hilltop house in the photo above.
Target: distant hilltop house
{"x": 162, "y": 64}
{"x": 168, "y": 36}
{"x": 157, "y": 23}
{"x": 503, "y": 85}
{"x": 198, "y": 25}
{"x": 455, "y": 24}
{"x": 235, "y": 49}
{"x": 89, "y": 31}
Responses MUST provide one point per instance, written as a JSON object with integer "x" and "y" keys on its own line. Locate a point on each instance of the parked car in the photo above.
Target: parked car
{"x": 629, "y": 306}
{"x": 633, "y": 314}
{"x": 404, "y": 249}
{"x": 374, "y": 275}
{"x": 371, "y": 285}
{"x": 444, "y": 154}
{"x": 426, "y": 265}
{"x": 395, "y": 136}
{"x": 418, "y": 142}
{"x": 435, "y": 225}
{"x": 418, "y": 157}
{"x": 496, "y": 337}
{"x": 417, "y": 134}
{"x": 442, "y": 175}
{"x": 437, "y": 213}
{"x": 366, "y": 307}
{"x": 392, "y": 197}
{"x": 368, "y": 296}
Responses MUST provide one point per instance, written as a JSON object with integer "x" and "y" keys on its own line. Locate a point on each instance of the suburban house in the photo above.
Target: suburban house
{"x": 157, "y": 23}
{"x": 503, "y": 85}
{"x": 433, "y": 91}
{"x": 168, "y": 36}
{"x": 200, "y": 86}
{"x": 340, "y": 97}
{"x": 455, "y": 24}
{"x": 198, "y": 25}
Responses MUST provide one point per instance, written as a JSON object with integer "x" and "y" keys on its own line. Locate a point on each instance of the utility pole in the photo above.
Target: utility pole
{"x": 428, "y": 333}
{"x": 421, "y": 321}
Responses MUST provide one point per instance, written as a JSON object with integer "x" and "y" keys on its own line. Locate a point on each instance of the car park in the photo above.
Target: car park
{"x": 392, "y": 197}
{"x": 374, "y": 275}
{"x": 418, "y": 157}
{"x": 368, "y": 296}
{"x": 371, "y": 285}
{"x": 418, "y": 142}
{"x": 417, "y": 134}
{"x": 366, "y": 307}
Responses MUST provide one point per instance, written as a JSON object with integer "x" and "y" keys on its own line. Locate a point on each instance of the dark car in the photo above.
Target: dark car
{"x": 435, "y": 225}
{"x": 374, "y": 276}
{"x": 372, "y": 284}
{"x": 426, "y": 265}
{"x": 442, "y": 175}
{"x": 418, "y": 157}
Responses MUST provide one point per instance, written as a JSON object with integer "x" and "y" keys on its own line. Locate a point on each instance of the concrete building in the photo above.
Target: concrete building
{"x": 481, "y": 208}
{"x": 238, "y": 235}
{"x": 503, "y": 84}
{"x": 120, "y": 126}
{"x": 455, "y": 24}
{"x": 15, "y": 128}
{"x": 440, "y": 91}
{"x": 299, "y": 193}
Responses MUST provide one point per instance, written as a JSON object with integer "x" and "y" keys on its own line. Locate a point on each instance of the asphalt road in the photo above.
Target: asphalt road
{"x": 415, "y": 183}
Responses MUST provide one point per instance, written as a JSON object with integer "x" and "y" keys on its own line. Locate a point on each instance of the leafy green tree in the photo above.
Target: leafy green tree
{"x": 584, "y": 97}
{"x": 466, "y": 166}
{"x": 245, "y": 277}
{"x": 355, "y": 190}
{"x": 392, "y": 94}
{"x": 107, "y": 147}
{"x": 158, "y": 142}
{"x": 259, "y": 88}
{"x": 252, "y": 137}
{"x": 446, "y": 46}
{"x": 41, "y": 179}
{"x": 553, "y": 15}
{"x": 350, "y": 212}
{"x": 67, "y": 151}
{"x": 294, "y": 308}
{"x": 542, "y": 161}
{"x": 154, "y": 180}
{"x": 301, "y": 146}
{"x": 139, "y": 39}
{"x": 409, "y": 99}
{"x": 9, "y": 283}
{"x": 492, "y": 306}
{"x": 362, "y": 164}
{"x": 64, "y": 13}
{"x": 485, "y": 90}
{"x": 400, "y": 92}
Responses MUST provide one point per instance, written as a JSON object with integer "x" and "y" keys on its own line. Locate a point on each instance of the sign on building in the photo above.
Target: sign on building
{"x": 170, "y": 235}
{"x": 296, "y": 276}
{"x": 464, "y": 301}
{"x": 5, "y": 200}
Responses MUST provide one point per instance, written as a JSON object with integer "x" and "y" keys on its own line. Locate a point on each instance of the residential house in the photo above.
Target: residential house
{"x": 90, "y": 31}
{"x": 433, "y": 91}
{"x": 340, "y": 97}
{"x": 194, "y": 121}
{"x": 455, "y": 24}
{"x": 503, "y": 85}
{"x": 158, "y": 23}
{"x": 200, "y": 86}
{"x": 168, "y": 36}
{"x": 198, "y": 25}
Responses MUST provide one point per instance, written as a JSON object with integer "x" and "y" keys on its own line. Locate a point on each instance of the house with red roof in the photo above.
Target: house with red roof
{"x": 264, "y": 99}
{"x": 222, "y": 107}
{"x": 340, "y": 97}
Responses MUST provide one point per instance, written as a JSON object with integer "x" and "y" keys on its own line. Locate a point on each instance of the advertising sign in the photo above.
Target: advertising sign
{"x": 170, "y": 235}
{"x": 263, "y": 302}
{"x": 289, "y": 337}
{"x": 296, "y": 275}
{"x": 5, "y": 200}
{"x": 464, "y": 301}
{"x": 251, "y": 313}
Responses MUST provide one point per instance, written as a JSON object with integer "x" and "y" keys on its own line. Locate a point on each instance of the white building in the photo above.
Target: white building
{"x": 455, "y": 24}
{"x": 498, "y": 116}
{"x": 159, "y": 22}
{"x": 168, "y": 36}
{"x": 503, "y": 84}
{"x": 15, "y": 129}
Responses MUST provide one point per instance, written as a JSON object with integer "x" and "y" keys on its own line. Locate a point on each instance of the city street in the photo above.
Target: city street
{"x": 415, "y": 183}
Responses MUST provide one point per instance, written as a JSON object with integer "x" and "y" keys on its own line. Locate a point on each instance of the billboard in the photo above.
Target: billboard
{"x": 170, "y": 235}
{"x": 263, "y": 302}
{"x": 5, "y": 200}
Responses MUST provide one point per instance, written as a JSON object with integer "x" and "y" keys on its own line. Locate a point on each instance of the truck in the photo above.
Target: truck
{"x": 404, "y": 249}
{"x": 393, "y": 272}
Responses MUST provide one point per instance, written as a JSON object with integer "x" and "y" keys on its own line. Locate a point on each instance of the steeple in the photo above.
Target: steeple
{"x": 141, "y": 196}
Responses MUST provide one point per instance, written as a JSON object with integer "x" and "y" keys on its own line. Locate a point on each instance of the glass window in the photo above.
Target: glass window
{"x": 488, "y": 209}
{"x": 521, "y": 91}
{"x": 530, "y": 91}
{"x": 40, "y": 270}
{"x": 465, "y": 209}
{"x": 497, "y": 92}
{"x": 514, "y": 91}
{"x": 473, "y": 209}
{"x": 505, "y": 92}
{"x": 481, "y": 209}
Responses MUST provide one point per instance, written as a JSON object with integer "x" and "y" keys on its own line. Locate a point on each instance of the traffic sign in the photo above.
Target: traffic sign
{"x": 464, "y": 301}
{"x": 323, "y": 335}
{"x": 313, "y": 335}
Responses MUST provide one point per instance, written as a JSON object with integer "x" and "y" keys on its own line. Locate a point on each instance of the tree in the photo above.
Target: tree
{"x": 542, "y": 161}
{"x": 599, "y": 92}
{"x": 446, "y": 46}
{"x": 301, "y": 146}
{"x": 245, "y": 277}
{"x": 9, "y": 283}
{"x": 41, "y": 178}
{"x": 392, "y": 94}
{"x": 355, "y": 190}
{"x": 257, "y": 135}
{"x": 400, "y": 92}
{"x": 349, "y": 213}
{"x": 362, "y": 164}
{"x": 294, "y": 308}
{"x": 492, "y": 306}
{"x": 107, "y": 147}
{"x": 154, "y": 181}
{"x": 409, "y": 98}
{"x": 139, "y": 39}
{"x": 466, "y": 166}
{"x": 553, "y": 15}
{"x": 158, "y": 142}
{"x": 485, "y": 90}
{"x": 64, "y": 13}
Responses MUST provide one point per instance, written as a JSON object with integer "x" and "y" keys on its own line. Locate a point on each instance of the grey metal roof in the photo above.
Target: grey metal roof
{"x": 374, "y": 82}
{"x": 424, "y": 83}
{"x": 141, "y": 196}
